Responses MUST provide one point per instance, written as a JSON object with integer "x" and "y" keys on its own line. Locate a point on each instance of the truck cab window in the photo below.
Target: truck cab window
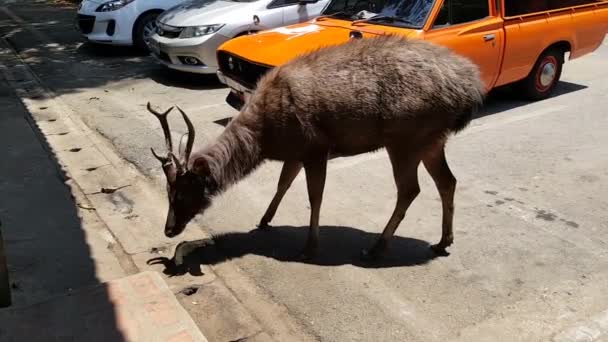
{"x": 518, "y": 7}
{"x": 455, "y": 12}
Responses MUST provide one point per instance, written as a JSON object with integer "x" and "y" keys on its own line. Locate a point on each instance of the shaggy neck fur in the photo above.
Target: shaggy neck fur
{"x": 234, "y": 155}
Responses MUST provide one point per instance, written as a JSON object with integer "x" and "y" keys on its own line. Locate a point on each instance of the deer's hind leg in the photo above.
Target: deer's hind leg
{"x": 288, "y": 174}
{"x": 316, "y": 172}
{"x": 405, "y": 171}
{"x": 438, "y": 168}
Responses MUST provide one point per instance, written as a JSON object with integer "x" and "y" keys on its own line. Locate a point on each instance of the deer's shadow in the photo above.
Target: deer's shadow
{"x": 338, "y": 246}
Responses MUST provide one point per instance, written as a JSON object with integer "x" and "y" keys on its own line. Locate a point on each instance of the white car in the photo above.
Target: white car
{"x": 120, "y": 22}
{"x": 188, "y": 35}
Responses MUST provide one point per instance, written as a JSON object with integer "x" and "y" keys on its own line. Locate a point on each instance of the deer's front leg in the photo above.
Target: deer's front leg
{"x": 437, "y": 166}
{"x": 315, "y": 180}
{"x": 288, "y": 174}
{"x": 406, "y": 179}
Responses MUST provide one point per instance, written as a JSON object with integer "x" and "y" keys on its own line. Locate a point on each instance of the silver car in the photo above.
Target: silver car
{"x": 187, "y": 36}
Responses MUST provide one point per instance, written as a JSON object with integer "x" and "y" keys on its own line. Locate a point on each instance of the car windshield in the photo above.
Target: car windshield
{"x": 407, "y": 13}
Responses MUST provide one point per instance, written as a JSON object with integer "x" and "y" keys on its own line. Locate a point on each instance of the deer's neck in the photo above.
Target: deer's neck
{"x": 234, "y": 155}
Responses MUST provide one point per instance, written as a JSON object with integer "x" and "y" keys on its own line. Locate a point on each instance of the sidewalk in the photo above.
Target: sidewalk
{"x": 136, "y": 308}
{"x": 46, "y": 249}
{"x": 66, "y": 283}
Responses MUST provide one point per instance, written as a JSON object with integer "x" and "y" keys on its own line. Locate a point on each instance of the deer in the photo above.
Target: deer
{"x": 406, "y": 96}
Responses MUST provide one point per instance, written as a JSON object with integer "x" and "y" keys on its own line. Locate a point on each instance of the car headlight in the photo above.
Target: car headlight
{"x": 197, "y": 31}
{"x": 113, "y": 5}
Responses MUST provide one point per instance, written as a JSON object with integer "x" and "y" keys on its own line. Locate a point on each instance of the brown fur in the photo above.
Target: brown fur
{"x": 358, "y": 97}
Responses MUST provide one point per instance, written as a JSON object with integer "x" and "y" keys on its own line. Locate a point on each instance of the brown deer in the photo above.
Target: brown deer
{"x": 404, "y": 95}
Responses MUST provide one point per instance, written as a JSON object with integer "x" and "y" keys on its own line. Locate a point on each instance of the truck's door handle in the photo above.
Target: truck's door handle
{"x": 489, "y": 37}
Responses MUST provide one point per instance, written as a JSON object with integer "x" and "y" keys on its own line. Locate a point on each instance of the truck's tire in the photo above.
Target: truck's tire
{"x": 544, "y": 76}
{"x": 142, "y": 28}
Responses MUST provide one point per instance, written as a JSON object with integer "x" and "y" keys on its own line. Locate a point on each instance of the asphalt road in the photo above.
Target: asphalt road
{"x": 530, "y": 258}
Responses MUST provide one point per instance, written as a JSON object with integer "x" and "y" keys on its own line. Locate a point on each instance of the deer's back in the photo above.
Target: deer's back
{"x": 359, "y": 95}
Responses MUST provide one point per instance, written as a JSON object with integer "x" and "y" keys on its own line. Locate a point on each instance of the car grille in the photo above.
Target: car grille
{"x": 86, "y": 23}
{"x": 168, "y": 31}
{"x": 244, "y": 71}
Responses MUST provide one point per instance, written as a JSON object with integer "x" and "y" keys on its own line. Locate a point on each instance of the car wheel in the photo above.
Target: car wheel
{"x": 544, "y": 76}
{"x": 144, "y": 29}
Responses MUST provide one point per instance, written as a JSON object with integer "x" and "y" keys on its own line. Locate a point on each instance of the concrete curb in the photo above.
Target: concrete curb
{"x": 141, "y": 308}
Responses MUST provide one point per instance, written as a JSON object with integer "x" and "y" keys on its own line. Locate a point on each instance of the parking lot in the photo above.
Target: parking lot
{"x": 530, "y": 257}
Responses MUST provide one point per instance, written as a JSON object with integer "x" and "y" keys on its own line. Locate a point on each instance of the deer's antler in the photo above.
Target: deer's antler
{"x": 179, "y": 164}
{"x": 191, "y": 134}
{"x": 162, "y": 117}
{"x": 162, "y": 160}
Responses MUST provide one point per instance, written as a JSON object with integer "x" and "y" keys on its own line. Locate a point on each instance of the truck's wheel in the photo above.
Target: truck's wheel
{"x": 544, "y": 76}
{"x": 144, "y": 29}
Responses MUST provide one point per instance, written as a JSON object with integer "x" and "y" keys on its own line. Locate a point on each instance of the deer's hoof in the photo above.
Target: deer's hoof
{"x": 440, "y": 249}
{"x": 263, "y": 225}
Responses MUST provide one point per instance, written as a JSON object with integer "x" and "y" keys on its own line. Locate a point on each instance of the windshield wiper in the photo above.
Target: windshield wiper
{"x": 335, "y": 14}
{"x": 387, "y": 18}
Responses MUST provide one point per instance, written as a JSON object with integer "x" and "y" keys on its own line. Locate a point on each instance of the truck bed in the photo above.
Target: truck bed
{"x": 579, "y": 29}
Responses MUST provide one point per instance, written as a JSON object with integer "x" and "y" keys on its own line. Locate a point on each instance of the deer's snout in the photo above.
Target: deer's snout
{"x": 172, "y": 229}
{"x": 169, "y": 232}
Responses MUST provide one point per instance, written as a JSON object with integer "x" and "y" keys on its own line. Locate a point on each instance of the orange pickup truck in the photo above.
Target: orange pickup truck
{"x": 513, "y": 41}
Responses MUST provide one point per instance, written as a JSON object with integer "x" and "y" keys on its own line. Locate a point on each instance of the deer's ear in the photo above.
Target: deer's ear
{"x": 170, "y": 173}
{"x": 200, "y": 166}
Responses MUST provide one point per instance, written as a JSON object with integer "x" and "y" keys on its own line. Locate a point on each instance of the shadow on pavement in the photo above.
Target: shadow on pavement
{"x": 101, "y": 51}
{"x": 338, "y": 246}
{"x": 54, "y": 49}
{"x": 507, "y": 98}
{"x": 47, "y": 250}
{"x": 174, "y": 78}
